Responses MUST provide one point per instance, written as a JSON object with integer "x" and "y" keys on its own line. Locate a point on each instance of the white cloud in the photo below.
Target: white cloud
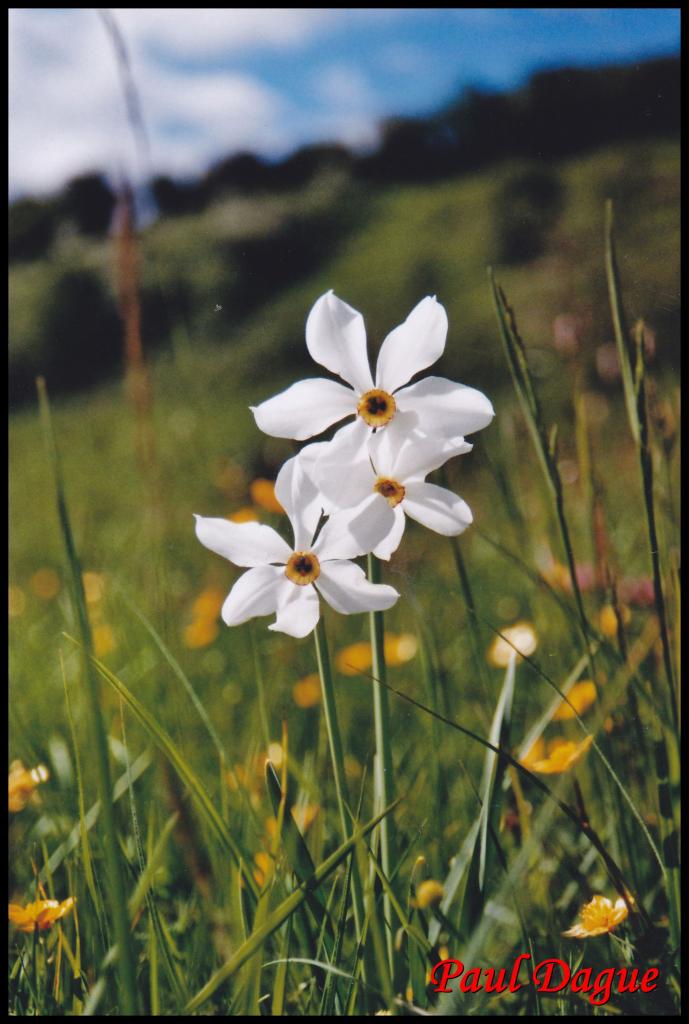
{"x": 67, "y": 108}
{"x": 342, "y": 85}
{"x": 206, "y": 32}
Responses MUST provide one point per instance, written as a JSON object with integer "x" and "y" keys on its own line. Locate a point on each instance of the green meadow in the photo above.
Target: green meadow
{"x": 220, "y": 884}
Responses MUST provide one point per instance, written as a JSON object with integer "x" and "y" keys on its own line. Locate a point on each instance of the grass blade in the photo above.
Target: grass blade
{"x": 128, "y": 988}
{"x": 181, "y": 766}
{"x": 282, "y": 912}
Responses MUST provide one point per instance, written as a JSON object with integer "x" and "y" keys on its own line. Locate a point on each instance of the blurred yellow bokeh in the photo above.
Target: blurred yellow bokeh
{"x": 263, "y": 494}
{"x": 581, "y": 696}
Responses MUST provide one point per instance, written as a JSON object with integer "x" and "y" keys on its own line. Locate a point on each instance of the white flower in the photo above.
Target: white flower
{"x": 285, "y": 581}
{"x": 396, "y": 475}
{"x": 336, "y": 338}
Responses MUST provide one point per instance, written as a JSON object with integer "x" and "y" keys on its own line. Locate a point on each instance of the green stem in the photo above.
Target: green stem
{"x": 383, "y": 777}
{"x": 337, "y": 758}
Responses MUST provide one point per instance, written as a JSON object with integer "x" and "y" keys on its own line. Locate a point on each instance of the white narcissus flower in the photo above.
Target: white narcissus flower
{"x": 336, "y": 338}
{"x": 287, "y": 581}
{"x": 396, "y": 475}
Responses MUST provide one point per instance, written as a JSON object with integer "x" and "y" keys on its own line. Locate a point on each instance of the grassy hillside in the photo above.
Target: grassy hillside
{"x": 227, "y": 347}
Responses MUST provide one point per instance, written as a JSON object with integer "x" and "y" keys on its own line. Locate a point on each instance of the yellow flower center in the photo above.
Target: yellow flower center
{"x": 302, "y": 568}
{"x": 376, "y": 408}
{"x": 390, "y": 489}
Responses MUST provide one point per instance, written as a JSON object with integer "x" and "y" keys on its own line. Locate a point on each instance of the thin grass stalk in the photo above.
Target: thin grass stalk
{"x": 633, "y": 370}
{"x": 646, "y": 461}
{"x": 619, "y": 321}
{"x": 128, "y": 989}
{"x": 473, "y": 618}
{"x": 669, "y": 837}
{"x": 545, "y": 443}
{"x": 337, "y": 759}
{"x": 383, "y": 776}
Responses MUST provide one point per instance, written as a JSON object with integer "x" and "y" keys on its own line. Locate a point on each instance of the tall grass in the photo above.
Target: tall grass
{"x": 258, "y": 854}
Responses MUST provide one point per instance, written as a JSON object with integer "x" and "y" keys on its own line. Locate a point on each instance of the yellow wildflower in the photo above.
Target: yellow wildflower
{"x": 200, "y": 633}
{"x": 263, "y": 494}
{"x": 208, "y": 604}
{"x": 45, "y": 583}
{"x": 103, "y": 640}
{"x": 307, "y": 692}
{"x": 429, "y": 893}
{"x": 41, "y": 914}
{"x": 607, "y": 620}
{"x": 22, "y": 784}
{"x": 536, "y": 752}
{"x": 562, "y": 755}
{"x": 598, "y": 917}
{"x": 264, "y": 867}
{"x": 581, "y": 696}
{"x": 521, "y": 635}
{"x": 245, "y": 514}
{"x": 400, "y": 648}
{"x": 354, "y": 659}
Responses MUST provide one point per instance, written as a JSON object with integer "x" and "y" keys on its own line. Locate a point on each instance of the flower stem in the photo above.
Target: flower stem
{"x": 383, "y": 766}
{"x": 337, "y": 758}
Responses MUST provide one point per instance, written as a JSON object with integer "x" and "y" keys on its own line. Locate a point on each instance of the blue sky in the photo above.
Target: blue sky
{"x": 213, "y": 81}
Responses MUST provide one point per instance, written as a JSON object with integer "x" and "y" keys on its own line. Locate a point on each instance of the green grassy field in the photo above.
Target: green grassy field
{"x": 206, "y": 869}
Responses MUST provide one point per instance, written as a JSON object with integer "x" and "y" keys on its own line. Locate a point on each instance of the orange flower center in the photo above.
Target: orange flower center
{"x": 303, "y": 567}
{"x": 390, "y": 489}
{"x": 376, "y": 408}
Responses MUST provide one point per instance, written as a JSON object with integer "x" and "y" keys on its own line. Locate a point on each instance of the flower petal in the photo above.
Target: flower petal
{"x": 245, "y": 544}
{"x": 355, "y": 531}
{"x": 298, "y": 494}
{"x": 336, "y": 338}
{"x": 389, "y": 544}
{"x": 255, "y": 593}
{"x": 412, "y": 456}
{"x": 346, "y": 589}
{"x": 414, "y": 345}
{"x": 444, "y": 407}
{"x": 437, "y": 508}
{"x": 305, "y": 409}
{"x": 343, "y": 471}
{"x": 298, "y": 611}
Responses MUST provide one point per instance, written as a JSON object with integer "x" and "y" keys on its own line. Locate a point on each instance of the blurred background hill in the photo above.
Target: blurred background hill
{"x": 231, "y": 261}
